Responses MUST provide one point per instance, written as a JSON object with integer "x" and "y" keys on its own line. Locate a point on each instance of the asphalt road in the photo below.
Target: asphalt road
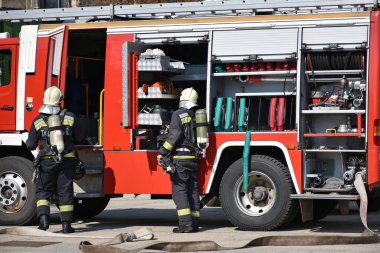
{"x": 129, "y": 213}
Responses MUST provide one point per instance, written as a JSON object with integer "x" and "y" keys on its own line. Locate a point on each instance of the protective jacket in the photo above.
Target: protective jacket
{"x": 39, "y": 133}
{"x": 181, "y": 138}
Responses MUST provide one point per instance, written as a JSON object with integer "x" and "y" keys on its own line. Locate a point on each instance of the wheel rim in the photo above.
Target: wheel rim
{"x": 13, "y": 192}
{"x": 259, "y": 197}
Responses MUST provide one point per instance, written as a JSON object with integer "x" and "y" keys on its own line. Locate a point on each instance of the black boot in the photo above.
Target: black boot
{"x": 196, "y": 224}
{"x": 66, "y": 227}
{"x": 184, "y": 229}
{"x": 44, "y": 222}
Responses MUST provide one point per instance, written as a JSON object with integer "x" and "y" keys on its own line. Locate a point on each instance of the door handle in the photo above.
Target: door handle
{"x": 6, "y": 108}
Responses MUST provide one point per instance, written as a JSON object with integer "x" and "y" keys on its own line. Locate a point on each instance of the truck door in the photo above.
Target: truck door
{"x": 8, "y": 56}
{"x": 130, "y": 79}
{"x": 56, "y": 68}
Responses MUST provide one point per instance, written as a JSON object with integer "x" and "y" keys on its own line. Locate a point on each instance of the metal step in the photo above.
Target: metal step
{"x": 188, "y": 9}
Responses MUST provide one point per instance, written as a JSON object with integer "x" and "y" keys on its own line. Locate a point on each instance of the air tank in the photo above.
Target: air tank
{"x": 56, "y": 135}
{"x": 202, "y": 130}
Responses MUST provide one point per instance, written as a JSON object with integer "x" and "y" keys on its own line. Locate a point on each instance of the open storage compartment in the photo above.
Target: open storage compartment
{"x": 332, "y": 171}
{"x": 160, "y": 80}
{"x": 85, "y": 81}
{"x": 254, "y": 112}
{"x": 254, "y": 95}
{"x": 333, "y": 108}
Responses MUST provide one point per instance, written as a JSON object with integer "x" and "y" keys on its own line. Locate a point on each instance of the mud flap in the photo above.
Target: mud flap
{"x": 307, "y": 209}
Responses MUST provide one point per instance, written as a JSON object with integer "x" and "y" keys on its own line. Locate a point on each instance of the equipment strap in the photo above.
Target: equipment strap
{"x": 56, "y": 128}
{"x": 201, "y": 124}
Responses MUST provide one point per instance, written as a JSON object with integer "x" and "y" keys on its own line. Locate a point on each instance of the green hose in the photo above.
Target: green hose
{"x": 241, "y": 119}
{"x": 246, "y": 159}
{"x": 218, "y": 115}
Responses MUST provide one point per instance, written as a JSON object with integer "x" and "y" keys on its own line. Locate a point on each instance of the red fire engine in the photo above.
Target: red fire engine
{"x": 295, "y": 84}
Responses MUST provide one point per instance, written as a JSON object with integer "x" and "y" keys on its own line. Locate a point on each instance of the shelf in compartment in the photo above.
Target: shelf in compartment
{"x": 266, "y": 94}
{"x": 193, "y": 72}
{"x": 154, "y": 93}
{"x": 334, "y": 135}
{"x": 149, "y": 119}
{"x": 160, "y": 96}
{"x": 258, "y": 73}
{"x": 160, "y": 64}
{"x": 336, "y": 150}
{"x": 334, "y": 72}
{"x": 332, "y": 79}
{"x": 174, "y": 71}
{"x": 333, "y": 111}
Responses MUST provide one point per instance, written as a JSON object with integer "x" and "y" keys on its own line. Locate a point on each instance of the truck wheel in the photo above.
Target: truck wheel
{"x": 266, "y": 204}
{"x": 17, "y": 192}
{"x": 85, "y": 208}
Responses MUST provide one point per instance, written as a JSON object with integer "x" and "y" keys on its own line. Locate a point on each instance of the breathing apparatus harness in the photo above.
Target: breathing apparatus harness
{"x": 55, "y": 146}
{"x": 52, "y": 134}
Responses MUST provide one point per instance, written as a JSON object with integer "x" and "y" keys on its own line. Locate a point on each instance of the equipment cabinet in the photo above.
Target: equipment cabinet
{"x": 334, "y": 113}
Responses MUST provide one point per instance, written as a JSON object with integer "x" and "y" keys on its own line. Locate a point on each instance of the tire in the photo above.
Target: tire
{"x": 272, "y": 209}
{"x": 295, "y": 215}
{"x": 85, "y": 208}
{"x": 17, "y": 192}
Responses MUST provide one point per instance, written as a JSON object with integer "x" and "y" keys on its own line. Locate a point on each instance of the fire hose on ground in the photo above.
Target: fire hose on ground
{"x": 367, "y": 237}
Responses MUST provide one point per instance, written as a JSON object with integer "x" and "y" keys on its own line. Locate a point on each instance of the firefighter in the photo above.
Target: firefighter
{"x": 181, "y": 146}
{"x": 54, "y": 130}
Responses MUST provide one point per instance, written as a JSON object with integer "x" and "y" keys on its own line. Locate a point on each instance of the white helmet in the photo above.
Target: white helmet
{"x": 188, "y": 98}
{"x": 52, "y": 101}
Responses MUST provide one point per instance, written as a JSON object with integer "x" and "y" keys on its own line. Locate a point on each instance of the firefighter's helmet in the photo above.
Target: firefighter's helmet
{"x": 188, "y": 98}
{"x": 52, "y": 101}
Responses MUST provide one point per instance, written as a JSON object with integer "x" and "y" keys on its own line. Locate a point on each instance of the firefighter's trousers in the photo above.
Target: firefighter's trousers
{"x": 185, "y": 191}
{"x": 56, "y": 178}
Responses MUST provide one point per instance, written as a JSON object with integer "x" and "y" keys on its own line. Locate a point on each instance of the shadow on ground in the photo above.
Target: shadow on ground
{"x": 214, "y": 218}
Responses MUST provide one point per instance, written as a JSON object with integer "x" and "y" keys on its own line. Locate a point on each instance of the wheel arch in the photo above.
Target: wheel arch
{"x": 20, "y": 151}
{"x": 231, "y": 151}
{"x": 15, "y": 146}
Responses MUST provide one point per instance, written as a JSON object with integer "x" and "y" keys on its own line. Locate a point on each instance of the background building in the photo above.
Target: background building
{"x": 30, "y": 4}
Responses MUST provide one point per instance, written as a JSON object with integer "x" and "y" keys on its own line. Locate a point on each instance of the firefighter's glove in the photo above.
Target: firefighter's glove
{"x": 79, "y": 170}
{"x": 159, "y": 158}
{"x": 159, "y": 162}
{"x": 36, "y": 171}
{"x": 167, "y": 165}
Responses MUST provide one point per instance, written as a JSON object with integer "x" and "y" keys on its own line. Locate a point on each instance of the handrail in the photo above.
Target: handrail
{"x": 100, "y": 134}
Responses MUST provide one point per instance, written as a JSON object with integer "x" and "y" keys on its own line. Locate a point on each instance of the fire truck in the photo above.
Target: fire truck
{"x": 291, "y": 90}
